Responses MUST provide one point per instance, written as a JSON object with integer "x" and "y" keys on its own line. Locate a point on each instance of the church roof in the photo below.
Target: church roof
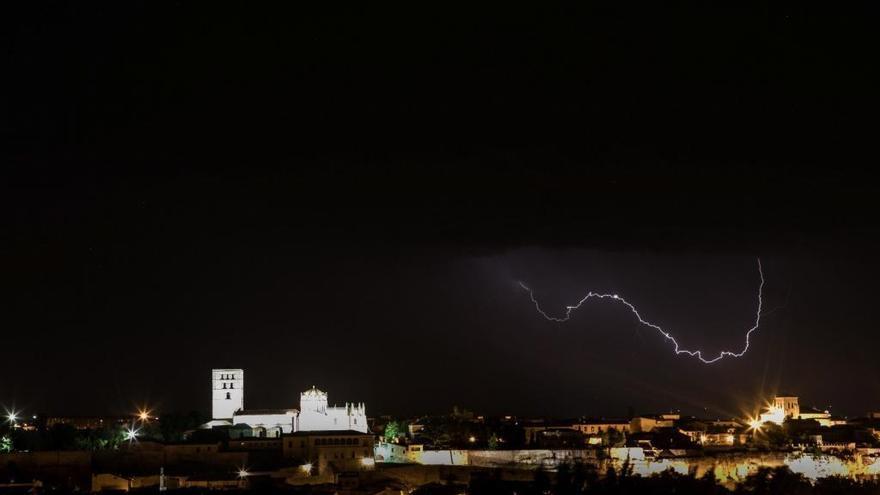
{"x": 216, "y": 422}
{"x": 813, "y": 410}
{"x": 263, "y": 412}
{"x": 602, "y": 421}
{"x": 327, "y": 433}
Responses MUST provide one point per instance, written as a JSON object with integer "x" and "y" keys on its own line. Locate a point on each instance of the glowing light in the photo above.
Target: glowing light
{"x": 755, "y": 424}
{"x": 306, "y": 468}
{"x": 472, "y": 439}
{"x": 773, "y": 414}
{"x": 131, "y": 433}
{"x": 678, "y": 349}
{"x": 243, "y": 473}
{"x": 368, "y": 461}
{"x": 12, "y": 416}
{"x": 144, "y": 415}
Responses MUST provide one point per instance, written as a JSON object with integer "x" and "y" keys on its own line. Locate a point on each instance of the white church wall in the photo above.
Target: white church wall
{"x": 316, "y": 415}
{"x": 269, "y": 421}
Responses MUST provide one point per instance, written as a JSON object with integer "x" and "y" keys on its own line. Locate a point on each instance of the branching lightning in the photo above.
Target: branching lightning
{"x": 678, "y": 349}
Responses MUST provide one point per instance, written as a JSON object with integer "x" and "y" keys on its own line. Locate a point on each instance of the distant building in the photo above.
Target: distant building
{"x": 314, "y": 413}
{"x": 255, "y": 444}
{"x": 823, "y": 417}
{"x": 330, "y": 451}
{"x": 599, "y": 426}
{"x": 647, "y": 423}
{"x": 788, "y": 404}
{"x": 227, "y": 396}
{"x": 390, "y": 452}
{"x": 714, "y": 433}
{"x": 270, "y": 423}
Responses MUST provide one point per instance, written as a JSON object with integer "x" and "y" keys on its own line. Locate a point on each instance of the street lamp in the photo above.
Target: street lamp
{"x": 12, "y": 417}
{"x": 131, "y": 434}
{"x": 755, "y": 424}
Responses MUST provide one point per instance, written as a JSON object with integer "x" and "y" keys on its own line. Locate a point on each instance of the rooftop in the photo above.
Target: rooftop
{"x": 603, "y": 421}
{"x": 336, "y": 433}
{"x": 255, "y": 412}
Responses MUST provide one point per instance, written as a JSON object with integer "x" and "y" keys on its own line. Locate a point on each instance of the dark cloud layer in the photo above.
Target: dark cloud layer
{"x": 347, "y": 198}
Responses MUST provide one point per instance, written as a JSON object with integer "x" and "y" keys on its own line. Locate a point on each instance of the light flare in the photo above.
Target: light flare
{"x": 755, "y": 424}
{"x": 144, "y": 415}
{"x": 678, "y": 349}
{"x": 131, "y": 434}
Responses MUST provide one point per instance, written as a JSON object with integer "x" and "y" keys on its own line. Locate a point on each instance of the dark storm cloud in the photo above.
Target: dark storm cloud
{"x": 347, "y": 199}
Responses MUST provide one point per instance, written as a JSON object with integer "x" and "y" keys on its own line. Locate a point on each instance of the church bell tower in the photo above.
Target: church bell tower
{"x": 227, "y": 392}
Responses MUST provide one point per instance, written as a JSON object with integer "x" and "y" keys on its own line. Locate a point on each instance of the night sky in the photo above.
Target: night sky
{"x": 347, "y": 198}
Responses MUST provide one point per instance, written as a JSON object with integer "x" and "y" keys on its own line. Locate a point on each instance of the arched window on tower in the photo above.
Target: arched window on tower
{"x": 231, "y": 385}
{"x": 228, "y": 396}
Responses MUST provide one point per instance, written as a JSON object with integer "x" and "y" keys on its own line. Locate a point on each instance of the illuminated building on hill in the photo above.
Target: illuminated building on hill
{"x": 314, "y": 413}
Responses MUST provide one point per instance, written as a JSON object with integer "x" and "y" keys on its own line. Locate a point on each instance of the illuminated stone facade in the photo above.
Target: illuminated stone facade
{"x": 269, "y": 423}
{"x": 314, "y": 413}
{"x": 337, "y": 450}
{"x": 227, "y": 395}
{"x": 788, "y": 404}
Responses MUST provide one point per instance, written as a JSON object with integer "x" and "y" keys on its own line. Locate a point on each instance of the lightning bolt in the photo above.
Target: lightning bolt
{"x": 678, "y": 349}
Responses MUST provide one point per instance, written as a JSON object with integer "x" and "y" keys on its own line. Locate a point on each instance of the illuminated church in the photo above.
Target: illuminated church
{"x": 314, "y": 413}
